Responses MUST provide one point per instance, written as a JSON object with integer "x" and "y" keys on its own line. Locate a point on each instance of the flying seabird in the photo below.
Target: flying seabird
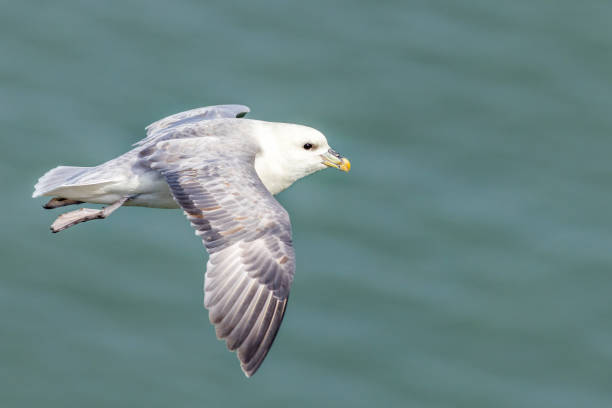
{"x": 223, "y": 171}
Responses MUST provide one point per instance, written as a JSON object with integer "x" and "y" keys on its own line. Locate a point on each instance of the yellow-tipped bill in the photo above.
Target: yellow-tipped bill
{"x": 346, "y": 165}
{"x": 333, "y": 159}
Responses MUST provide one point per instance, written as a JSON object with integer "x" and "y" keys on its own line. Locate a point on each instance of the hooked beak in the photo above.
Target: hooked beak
{"x": 333, "y": 159}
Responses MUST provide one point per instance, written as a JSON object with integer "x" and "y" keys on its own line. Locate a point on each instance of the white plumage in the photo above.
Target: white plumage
{"x": 222, "y": 171}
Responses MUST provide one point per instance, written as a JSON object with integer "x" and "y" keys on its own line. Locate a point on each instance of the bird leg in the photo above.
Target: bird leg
{"x": 60, "y": 202}
{"x": 85, "y": 214}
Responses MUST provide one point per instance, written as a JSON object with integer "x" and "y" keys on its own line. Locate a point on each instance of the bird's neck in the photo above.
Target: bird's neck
{"x": 270, "y": 160}
{"x": 271, "y": 174}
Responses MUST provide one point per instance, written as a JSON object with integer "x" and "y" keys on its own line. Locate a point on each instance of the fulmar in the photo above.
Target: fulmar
{"x": 223, "y": 172}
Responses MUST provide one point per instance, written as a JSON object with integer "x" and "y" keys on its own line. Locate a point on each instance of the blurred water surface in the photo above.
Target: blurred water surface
{"x": 464, "y": 261}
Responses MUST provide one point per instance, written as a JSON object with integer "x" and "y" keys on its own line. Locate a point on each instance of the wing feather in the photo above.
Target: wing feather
{"x": 169, "y": 123}
{"x": 251, "y": 258}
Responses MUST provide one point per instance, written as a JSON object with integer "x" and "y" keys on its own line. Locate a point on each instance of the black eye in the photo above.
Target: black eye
{"x": 307, "y": 146}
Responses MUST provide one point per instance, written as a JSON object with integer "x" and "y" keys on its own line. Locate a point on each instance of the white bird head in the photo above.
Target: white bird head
{"x": 289, "y": 152}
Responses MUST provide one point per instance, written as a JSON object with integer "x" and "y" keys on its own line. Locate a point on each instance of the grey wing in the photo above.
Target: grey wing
{"x": 247, "y": 234}
{"x": 169, "y": 123}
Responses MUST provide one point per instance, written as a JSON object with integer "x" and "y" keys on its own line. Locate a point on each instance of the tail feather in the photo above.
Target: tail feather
{"x": 58, "y": 177}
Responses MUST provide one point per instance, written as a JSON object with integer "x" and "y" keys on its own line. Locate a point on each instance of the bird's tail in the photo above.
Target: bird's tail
{"x": 58, "y": 178}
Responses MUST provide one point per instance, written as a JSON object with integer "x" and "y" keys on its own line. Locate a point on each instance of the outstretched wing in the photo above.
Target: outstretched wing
{"x": 246, "y": 232}
{"x": 166, "y": 124}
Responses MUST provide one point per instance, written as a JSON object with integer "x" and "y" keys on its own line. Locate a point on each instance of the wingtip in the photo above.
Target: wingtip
{"x": 244, "y": 110}
{"x": 246, "y": 373}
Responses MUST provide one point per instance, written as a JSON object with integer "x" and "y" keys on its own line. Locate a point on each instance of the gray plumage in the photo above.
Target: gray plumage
{"x": 246, "y": 232}
{"x": 222, "y": 171}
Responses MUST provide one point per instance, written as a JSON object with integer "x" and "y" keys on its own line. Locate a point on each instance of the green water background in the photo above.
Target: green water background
{"x": 465, "y": 261}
